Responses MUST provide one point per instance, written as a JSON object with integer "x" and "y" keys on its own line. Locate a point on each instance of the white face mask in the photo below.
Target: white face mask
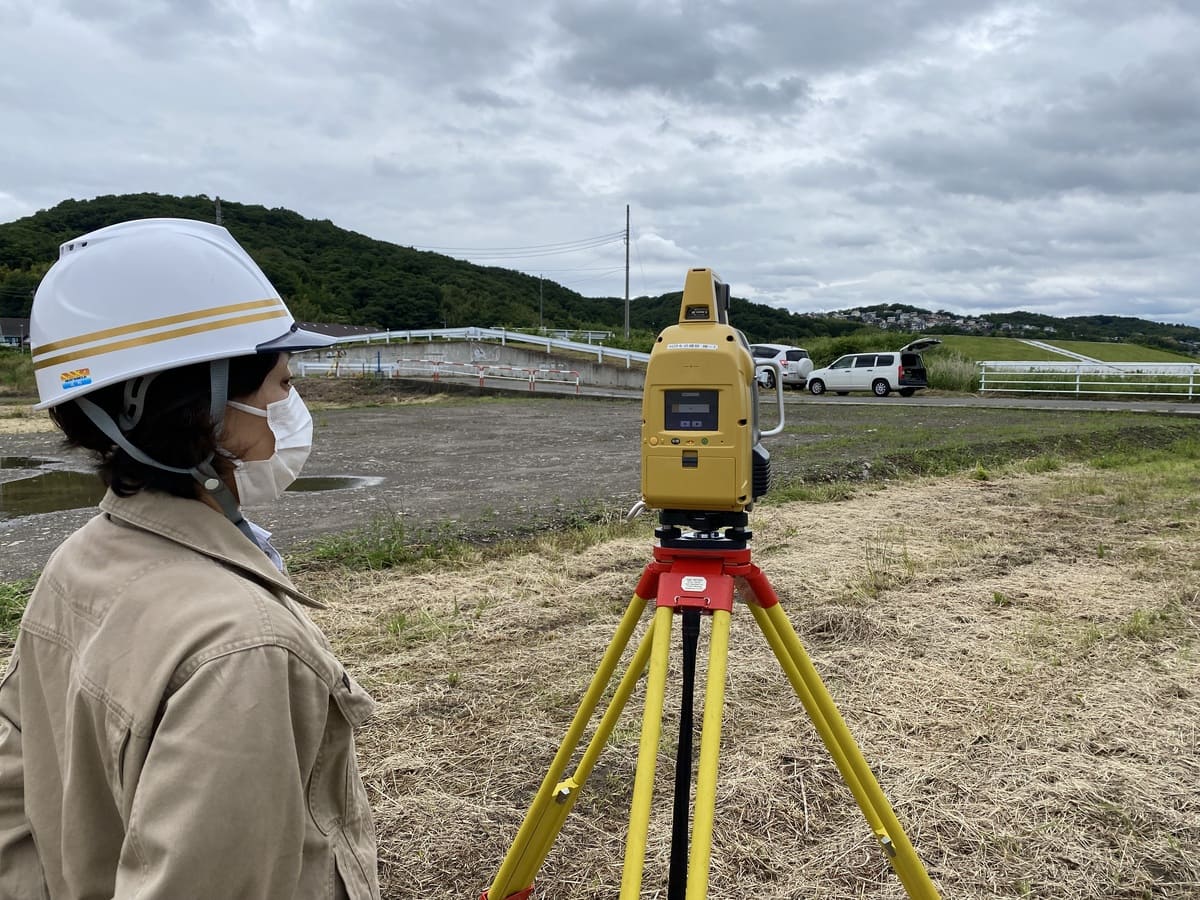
{"x": 265, "y": 480}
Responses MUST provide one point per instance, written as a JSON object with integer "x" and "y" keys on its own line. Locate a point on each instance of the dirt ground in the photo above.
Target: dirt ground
{"x": 487, "y": 465}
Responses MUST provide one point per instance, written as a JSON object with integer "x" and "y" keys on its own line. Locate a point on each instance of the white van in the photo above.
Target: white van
{"x": 880, "y": 373}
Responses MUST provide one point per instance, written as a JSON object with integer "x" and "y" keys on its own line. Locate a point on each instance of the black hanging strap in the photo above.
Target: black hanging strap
{"x": 677, "y": 879}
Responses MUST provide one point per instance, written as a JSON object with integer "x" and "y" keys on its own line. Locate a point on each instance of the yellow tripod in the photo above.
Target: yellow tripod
{"x": 692, "y": 575}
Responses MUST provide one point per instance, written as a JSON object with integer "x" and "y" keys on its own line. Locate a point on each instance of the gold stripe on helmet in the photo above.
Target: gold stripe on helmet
{"x": 270, "y": 302}
{"x": 158, "y": 336}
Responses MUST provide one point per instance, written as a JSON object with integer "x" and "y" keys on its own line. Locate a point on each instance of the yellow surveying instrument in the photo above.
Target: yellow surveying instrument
{"x": 702, "y": 468}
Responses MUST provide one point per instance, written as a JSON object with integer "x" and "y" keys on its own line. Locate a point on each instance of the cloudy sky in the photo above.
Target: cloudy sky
{"x": 819, "y": 154}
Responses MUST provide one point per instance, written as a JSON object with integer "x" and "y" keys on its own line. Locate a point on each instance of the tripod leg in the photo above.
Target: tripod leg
{"x": 710, "y": 746}
{"x": 531, "y": 837}
{"x": 643, "y": 782}
{"x": 568, "y": 791}
{"x": 828, "y": 721}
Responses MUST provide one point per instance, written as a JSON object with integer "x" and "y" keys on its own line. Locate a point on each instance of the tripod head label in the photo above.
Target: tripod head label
{"x": 694, "y": 583}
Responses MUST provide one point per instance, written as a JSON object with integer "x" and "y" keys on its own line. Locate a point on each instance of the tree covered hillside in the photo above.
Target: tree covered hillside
{"x": 329, "y": 274}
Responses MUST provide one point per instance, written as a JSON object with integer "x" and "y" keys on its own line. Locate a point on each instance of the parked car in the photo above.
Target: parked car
{"x": 795, "y": 361}
{"x": 880, "y": 373}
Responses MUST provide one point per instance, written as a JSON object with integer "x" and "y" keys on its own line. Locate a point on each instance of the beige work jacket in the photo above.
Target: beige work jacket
{"x": 172, "y": 725}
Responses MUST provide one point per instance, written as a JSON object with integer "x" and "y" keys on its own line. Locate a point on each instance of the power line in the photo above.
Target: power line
{"x": 589, "y": 280}
{"x": 482, "y": 255}
{"x": 576, "y": 269}
{"x": 533, "y": 249}
{"x": 641, "y": 265}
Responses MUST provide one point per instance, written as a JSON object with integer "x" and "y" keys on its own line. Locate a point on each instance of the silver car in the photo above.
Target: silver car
{"x": 795, "y": 362}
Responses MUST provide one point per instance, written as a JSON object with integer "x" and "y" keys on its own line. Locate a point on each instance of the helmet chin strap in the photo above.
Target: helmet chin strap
{"x": 204, "y": 473}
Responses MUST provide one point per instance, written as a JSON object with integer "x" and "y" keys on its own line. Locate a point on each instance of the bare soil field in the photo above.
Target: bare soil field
{"x": 486, "y": 466}
{"x": 491, "y": 467}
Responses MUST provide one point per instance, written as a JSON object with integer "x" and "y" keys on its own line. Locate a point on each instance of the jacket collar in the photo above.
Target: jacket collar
{"x": 201, "y": 528}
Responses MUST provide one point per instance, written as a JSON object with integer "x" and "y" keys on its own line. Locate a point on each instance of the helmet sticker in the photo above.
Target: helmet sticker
{"x": 75, "y": 378}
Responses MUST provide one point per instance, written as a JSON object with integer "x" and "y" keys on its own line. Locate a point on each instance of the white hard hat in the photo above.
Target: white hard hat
{"x": 150, "y": 295}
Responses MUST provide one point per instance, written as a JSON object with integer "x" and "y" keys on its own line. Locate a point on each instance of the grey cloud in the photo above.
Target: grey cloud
{"x": 628, "y": 47}
{"x": 971, "y": 155}
{"x": 692, "y": 193}
{"x": 755, "y": 57}
{"x": 1151, "y": 106}
{"x": 833, "y": 175}
{"x": 157, "y": 28}
{"x": 1129, "y": 131}
{"x": 430, "y": 43}
{"x": 485, "y": 98}
{"x": 853, "y": 240}
{"x": 835, "y": 35}
{"x": 999, "y": 167}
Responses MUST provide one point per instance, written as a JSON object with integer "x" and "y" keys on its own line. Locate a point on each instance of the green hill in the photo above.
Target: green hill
{"x": 1108, "y": 351}
{"x": 981, "y": 348}
{"x": 329, "y": 274}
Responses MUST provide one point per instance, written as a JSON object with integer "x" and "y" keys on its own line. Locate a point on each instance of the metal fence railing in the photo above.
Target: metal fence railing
{"x": 503, "y": 336}
{"x": 440, "y": 370}
{"x": 1166, "y": 380}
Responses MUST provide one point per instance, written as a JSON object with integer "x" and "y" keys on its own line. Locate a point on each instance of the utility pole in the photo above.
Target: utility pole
{"x": 541, "y": 327}
{"x": 627, "y": 271}
{"x": 218, "y": 202}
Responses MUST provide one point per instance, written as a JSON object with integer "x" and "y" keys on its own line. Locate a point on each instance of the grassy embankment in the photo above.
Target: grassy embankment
{"x": 953, "y": 366}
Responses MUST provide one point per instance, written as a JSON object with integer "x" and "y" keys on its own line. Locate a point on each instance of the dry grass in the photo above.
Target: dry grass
{"x": 21, "y": 418}
{"x": 1016, "y": 657}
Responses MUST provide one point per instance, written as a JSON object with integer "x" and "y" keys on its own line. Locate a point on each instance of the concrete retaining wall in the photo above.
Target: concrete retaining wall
{"x": 590, "y": 373}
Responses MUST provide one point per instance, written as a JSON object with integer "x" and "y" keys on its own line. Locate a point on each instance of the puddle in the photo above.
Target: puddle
{"x": 334, "y": 482}
{"x": 57, "y": 491}
{"x": 51, "y": 492}
{"x": 22, "y": 462}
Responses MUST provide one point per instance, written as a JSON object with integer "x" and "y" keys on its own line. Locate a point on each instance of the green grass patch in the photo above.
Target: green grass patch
{"x": 1002, "y": 348}
{"x": 953, "y": 372}
{"x": 983, "y": 348}
{"x": 830, "y": 446}
{"x": 16, "y": 373}
{"x": 388, "y": 544}
{"x": 410, "y": 628}
{"x": 13, "y": 596}
{"x": 1046, "y": 462}
{"x": 1182, "y": 450}
{"x": 1121, "y": 353}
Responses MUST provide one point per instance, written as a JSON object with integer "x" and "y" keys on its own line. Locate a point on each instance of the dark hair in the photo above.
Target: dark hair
{"x": 176, "y": 427}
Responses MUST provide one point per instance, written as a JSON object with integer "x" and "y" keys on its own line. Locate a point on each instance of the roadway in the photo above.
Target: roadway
{"x": 793, "y": 399}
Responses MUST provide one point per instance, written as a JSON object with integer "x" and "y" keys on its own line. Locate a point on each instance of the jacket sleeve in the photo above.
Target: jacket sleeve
{"x": 20, "y": 869}
{"x": 219, "y": 808}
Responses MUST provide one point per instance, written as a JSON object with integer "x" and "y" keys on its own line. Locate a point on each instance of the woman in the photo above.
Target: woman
{"x": 171, "y": 723}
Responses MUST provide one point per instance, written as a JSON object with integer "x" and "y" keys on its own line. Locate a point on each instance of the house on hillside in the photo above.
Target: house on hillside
{"x": 14, "y": 332}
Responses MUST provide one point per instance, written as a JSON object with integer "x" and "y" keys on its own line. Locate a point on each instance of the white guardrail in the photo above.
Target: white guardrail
{"x": 439, "y": 370}
{"x": 1094, "y": 378}
{"x": 503, "y": 335}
